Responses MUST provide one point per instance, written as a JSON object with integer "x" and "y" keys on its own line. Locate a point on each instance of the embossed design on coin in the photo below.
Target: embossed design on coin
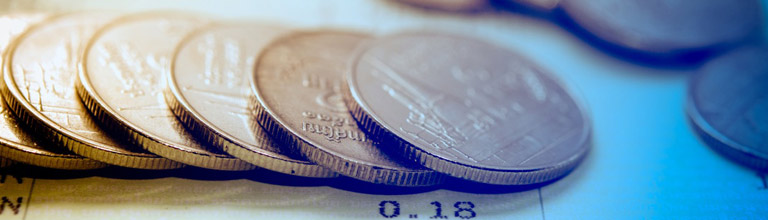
{"x": 122, "y": 82}
{"x": 467, "y": 108}
{"x": 15, "y": 143}
{"x": 728, "y": 105}
{"x": 42, "y": 70}
{"x": 209, "y": 85}
{"x": 298, "y": 83}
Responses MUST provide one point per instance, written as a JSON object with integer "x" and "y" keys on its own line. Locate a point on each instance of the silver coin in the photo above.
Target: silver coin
{"x": 209, "y": 86}
{"x": 467, "y": 108}
{"x": 15, "y": 143}
{"x": 122, "y": 80}
{"x": 666, "y": 28}
{"x": 39, "y": 80}
{"x": 728, "y": 105}
{"x": 298, "y": 83}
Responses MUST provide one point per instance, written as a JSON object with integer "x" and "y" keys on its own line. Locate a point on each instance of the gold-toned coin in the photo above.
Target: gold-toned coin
{"x": 298, "y": 83}
{"x": 208, "y": 90}
{"x": 41, "y": 70}
{"x": 16, "y": 144}
{"x": 122, "y": 79}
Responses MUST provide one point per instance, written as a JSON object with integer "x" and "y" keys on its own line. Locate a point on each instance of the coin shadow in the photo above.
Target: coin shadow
{"x": 506, "y": 6}
{"x": 466, "y": 186}
{"x": 31, "y": 171}
{"x": 257, "y": 175}
{"x": 353, "y": 185}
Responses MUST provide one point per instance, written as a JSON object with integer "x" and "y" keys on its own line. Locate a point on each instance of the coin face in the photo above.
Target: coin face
{"x": 467, "y": 108}
{"x": 728, "y": 105}
{"x": 40, "y": 77}
{"x": 122, "y": 81}
{"x": 298, "y": 83}
{"x": 210, "y": 84}
{"x": 665, "y": 26}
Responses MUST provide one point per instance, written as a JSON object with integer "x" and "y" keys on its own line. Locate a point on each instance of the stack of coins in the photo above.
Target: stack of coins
{"x": 164, "y": 90}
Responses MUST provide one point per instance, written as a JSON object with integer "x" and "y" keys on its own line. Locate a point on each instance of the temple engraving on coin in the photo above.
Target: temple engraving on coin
{"x": 122, "y": 64}
{"x": 42, "y": 79}
{"x": 474, "y": 110}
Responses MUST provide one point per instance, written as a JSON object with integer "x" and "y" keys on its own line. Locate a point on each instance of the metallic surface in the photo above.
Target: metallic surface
{"x": 122, "y": 79}
{"x": 209, "y": 89}
{"x": 666, "y": 26}
{"x": 41, "y": 70}
{"x": 472, "y": 110}
{"x": 728, "y": 105}
{"x": 298, "y": 83}
{"x": 16, "y": 144}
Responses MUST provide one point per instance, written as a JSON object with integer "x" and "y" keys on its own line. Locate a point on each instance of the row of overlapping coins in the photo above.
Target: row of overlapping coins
{"x": 163, "y": 90}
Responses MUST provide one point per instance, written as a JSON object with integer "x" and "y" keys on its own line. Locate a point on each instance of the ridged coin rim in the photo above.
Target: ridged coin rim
{"x": 213, "y": 135}
{"x": 369, "y": 122}
{"x": 115, "y": 123}
{"x": 356, "y": 169}
{"x": 27, "y": 114}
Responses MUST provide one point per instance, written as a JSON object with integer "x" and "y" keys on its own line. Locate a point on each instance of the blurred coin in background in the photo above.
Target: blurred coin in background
{"x": 666, "y": 29}
{"x": 298, "y": 83}
{"x": 122, "y": 81}
{"x": 209, "y": 85}
{"x": 467, "y": 108}
{"x": 728, "y": 105}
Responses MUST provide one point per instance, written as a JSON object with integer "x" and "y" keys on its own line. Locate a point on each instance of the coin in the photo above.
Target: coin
{"x": 298, "y": 82}
{"x": 41, "y": 69}
{"x": 666, "y": 27}
{"x": 209, "y": 89}
{"x": 16, "y": 144}
{"x": 728, "y": 105}
{"x": 122, "y": 81}
{"x": 467, "y": 108}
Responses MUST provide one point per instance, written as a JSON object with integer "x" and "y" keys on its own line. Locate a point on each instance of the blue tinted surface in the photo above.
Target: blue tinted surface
{"x": 646, "y": 161}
